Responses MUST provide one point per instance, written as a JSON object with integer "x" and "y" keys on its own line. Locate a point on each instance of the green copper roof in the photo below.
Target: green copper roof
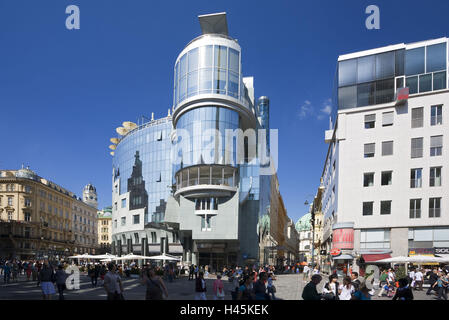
{"x": 303, "y": 224}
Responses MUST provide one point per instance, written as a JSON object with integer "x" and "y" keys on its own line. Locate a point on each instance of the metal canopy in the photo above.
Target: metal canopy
{"x": 214, "y": 23}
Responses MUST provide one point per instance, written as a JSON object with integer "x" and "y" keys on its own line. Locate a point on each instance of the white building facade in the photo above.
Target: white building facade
{"x": 386, "y": 173}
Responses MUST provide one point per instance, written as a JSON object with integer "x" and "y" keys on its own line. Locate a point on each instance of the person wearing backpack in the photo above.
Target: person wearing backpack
{"x": 46, "y": 279}
{"x": 156, "y": 289}
{"x": 200, "y": 287}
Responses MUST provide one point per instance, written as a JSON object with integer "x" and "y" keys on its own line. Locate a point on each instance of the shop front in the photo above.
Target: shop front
{"x": 342, "y": 247}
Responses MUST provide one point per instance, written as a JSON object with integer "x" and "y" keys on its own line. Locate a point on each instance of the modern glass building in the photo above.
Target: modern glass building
{"x": 193, "y": 179}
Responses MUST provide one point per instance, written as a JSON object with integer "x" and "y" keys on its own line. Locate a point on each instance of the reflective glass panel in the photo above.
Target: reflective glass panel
{"x": 385, "y": 65}
{"x": 414, "y": 61}
{"x": 220, "y": 58}
{"x": 384, "y": 91}
{"x": 399, "y": 62}
{"x": 412, "y": 84}
{"x": 347, "y": 97}
{"x": 439, "y": 80}
{"x": 365, "y": 94}
{"x": 205, "y": 80}
{"x": 436, "y": 57}
{"x": 193, "y": 60}
{"x": 192, "y": 83}
{"x": 183, "y": 66}
{"x": 205, "y": 56}
{"x": 233, "y": 60}
{"x": 425, "y": 82}
{"x": 347, "y": 72}
{"x": 366, "y": 69}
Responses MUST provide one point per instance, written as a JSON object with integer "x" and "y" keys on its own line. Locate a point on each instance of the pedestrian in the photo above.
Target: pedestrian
{"x": 235, "y": 285}
{"x": 432, "y": 279}
{"x": 6, "y": 272}
{"x": 246, "y": 289}
{"x": 404, "y": 292}
{"x": 219, "y": 293}
{"x": 156, "y": 289}
{"x": 305, "y": 272}
{"x": 46, "y": 279}
{"x": 191, "y": 270}
{"x": 355, "y": 280}
{"x": 260, "y": 289}
{"x": 361, "y": 294}
{"x": 441, "y": 285}
{"x": 270, "y": 287}
{"x": 330, "y": 289}
{"x": 113, "y": 284}
{"x": 61, "y": 277}
{"x": 29, "y": 271}
{"x": 419, "y": 279}
{"x": 196, "y": 271}
{"x": 383, "y": 282}
{"x": 200, "y": 287}
{"x": 411, "y": 278}
{"x": 310, "y": 292}
{"x": 346, "y": 289}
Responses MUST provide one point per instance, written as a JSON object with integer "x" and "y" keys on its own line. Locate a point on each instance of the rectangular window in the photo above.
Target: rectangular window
{"x": 416, "y": 178}
{"x": 27, "y": 216}
{"x": 417, "y": 117}
{"x": 386, "y": 178}
{"x": 123, "y": 221}
{"x": 439, "y": 80}
{"x": 414, "y": 61}
{"x": 368, "y": 179}
{"x": 436, "y": 115}
{"x": 136, "y": 219}
{"x": 347, "y": 97}
{"x": 370, "y": 120}
{"x": 115, "y": 206}
{"x": 425, "y": 82}
{"x": 10, "y": 200}
{"x": 365, "y": 95}
{"x": 435, "y": 177}
{"x": 436, "y": 57}
{"x": 347, "y": 72}
{"x": 124, "y": 203}
{"x": 136, "y": 237}
{"x": 434, "y": 207}
{"x": 375, "y": 239}
{"x": 412, "y": 83}
{"x": 369, "y": 150}
{"x": 368, "y": 208}
{"x": 387, "y": 148}
{"x": 387, "y": 118}
{"x": 417, "y": 148}
{"x": 415, "y": 208}
{"x": 385, "y": 207}
{"x": 436, "y": 146}
{"x": 115, "y": 223}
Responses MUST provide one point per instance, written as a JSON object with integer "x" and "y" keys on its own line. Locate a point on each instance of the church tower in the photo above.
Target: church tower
{"x": 90, "y": 195}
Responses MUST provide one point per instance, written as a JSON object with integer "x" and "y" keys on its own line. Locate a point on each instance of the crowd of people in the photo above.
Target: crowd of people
{"x": 390, "y": 284}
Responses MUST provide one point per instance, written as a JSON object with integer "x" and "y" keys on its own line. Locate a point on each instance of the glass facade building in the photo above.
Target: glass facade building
{"x": 152, "y": 144}
{"x": 374, "y": 78}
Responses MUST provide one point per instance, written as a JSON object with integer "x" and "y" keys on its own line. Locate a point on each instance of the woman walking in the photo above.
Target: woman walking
{"x": 346, "y": 289}
{"x": 156, "y": 288}
{"x": 200, "y": 287}
{"x": 330, "y": 289}
{"x": 219, "y": 293}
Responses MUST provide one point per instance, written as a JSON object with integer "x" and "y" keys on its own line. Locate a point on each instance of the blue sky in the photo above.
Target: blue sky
{"x": 63, "y": 92}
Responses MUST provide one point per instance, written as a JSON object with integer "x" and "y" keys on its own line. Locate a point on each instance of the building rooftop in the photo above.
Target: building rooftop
{"x": 303, "y": 224}
{"x": 215, "y": 23}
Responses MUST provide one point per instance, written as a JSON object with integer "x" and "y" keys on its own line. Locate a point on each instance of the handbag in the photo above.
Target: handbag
{"x": 329, "y": 296}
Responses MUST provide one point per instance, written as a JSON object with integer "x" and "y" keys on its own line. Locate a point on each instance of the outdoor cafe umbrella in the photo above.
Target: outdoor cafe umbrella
{"x": 104, "y": 256}
{"x": 130, "y": 256}
{"x": 164, "y": 257}
{"x": 426, "y": 259}
{"x": 399, "y": 259}
{"x": 81, "y": 256}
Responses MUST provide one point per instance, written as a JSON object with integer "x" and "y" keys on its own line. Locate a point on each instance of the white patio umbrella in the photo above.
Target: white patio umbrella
{"x": 164, "y": 257}
{"x": 426, "y": 259}
{"x": 104, "y": 256}
{"x": 81, "y": 256}
{"x": 398, "y": 259}
{"x": 131, "y": 256}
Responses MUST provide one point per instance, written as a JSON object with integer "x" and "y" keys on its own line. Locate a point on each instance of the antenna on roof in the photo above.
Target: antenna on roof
{"x": 152, "y": 116}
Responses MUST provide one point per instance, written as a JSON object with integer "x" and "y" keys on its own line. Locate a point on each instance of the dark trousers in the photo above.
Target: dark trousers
{"x": 442, "y": 293}
{"x": 7, "y": 277}
{"x": 94, "y": 281}
{"x": 114, "y": 296}
{"x": 190, "y": 275}
{"x": 61, "y": 291}
{"x": 429, "y": 291}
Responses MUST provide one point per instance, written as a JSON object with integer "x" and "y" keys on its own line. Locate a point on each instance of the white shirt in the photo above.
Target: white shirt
{"x": 331, "y": 287}
{"x": 412, "y": 275}
{"x": 390, "y": 276}
{"x": 418, "y": 276}
{"x": 112, "y": 280}
{"x": 346, "y": 293}
{"x": 306, "y": 269}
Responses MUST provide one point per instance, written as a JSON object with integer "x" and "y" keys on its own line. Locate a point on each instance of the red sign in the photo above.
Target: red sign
{"x": 335, "y": 252}
{"x": 343, "y": 239}
{"x": 402, "y": 95}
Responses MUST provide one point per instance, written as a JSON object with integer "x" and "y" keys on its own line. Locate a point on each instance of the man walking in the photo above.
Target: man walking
{"x": 419, "y": 279}
{"x": 432, "y": 279}
{"x": 305, "y": 272}
{"x": 113, "y": 284}
{"x": 310, "y": 292}
{"x": 46, "y": 279}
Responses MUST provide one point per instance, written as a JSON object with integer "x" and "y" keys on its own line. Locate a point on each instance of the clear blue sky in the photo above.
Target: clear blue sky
{"x": 63, "y": 93}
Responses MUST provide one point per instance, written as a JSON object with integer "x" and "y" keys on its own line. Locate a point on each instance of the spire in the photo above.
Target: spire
{"x": 152, "y": 116}
{"x": 168, "y": 115}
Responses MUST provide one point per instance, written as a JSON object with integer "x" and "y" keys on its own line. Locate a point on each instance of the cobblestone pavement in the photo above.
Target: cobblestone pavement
{"x": 288, "y": 287}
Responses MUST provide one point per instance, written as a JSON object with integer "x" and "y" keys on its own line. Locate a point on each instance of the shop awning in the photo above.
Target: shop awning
{"x": 375, "y": 257}
{"x": 343, "y": 257}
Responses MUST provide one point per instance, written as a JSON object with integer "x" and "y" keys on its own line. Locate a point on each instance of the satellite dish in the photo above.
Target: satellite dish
{"x": 112, "y": 147}
{"x": 114, "y": 140}
{"x": 128, "y": 125}
{"x": 112, "y": 153}
{"x": 121, "y": 131}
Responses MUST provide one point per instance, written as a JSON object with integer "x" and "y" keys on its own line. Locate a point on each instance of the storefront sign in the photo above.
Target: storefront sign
{"x": 343, "y": 238}
{"x": 335, "y": 252}
{"x": 421, "y": 252}
{"x": 441, "y": 250}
